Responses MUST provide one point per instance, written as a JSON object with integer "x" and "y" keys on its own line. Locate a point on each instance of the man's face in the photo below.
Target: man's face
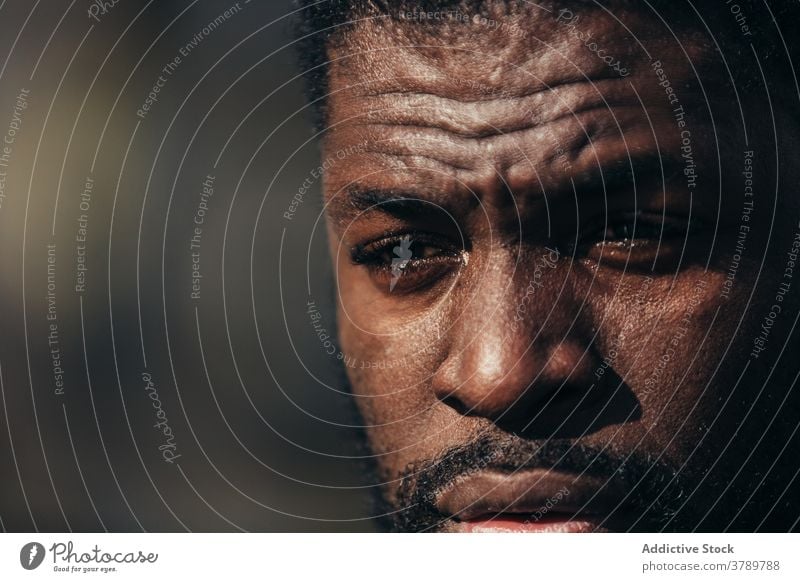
{"x": 533, "y": 238}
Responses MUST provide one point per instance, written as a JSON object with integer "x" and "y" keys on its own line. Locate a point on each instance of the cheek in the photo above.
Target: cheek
{"x": 403, "y": 421}
{"x": 390, "y": 376}
{"x": 666, "y": 344}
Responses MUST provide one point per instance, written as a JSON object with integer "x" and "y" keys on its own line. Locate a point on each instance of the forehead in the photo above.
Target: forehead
{"x": 499, "y": 100}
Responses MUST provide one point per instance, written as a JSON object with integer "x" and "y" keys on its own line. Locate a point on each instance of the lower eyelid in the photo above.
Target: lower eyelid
{"x": 420, "y": 274}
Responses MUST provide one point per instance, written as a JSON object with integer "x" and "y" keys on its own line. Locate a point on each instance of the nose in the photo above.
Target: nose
{"x": 518, "y": 351}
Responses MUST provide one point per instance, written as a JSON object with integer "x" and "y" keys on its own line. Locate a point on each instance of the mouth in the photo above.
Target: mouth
{"x": 535, "y": 501}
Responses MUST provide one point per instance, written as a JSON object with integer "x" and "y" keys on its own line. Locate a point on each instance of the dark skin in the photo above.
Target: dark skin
{"x": 566, "y": 282}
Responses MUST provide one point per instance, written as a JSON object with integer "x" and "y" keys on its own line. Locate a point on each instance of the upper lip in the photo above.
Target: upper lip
{"x": 490, "y": 493}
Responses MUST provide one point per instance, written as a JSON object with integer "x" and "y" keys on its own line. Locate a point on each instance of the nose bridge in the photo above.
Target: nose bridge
{"x": 515, "y": 298}
{"x": 508, "y": 338}
{"x": 538, "y": 290}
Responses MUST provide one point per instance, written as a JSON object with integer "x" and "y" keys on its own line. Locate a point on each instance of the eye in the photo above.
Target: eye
{"x": 641, "y": 239}
{"x": 642, "y": 227}
{"x": 407, "y": 262}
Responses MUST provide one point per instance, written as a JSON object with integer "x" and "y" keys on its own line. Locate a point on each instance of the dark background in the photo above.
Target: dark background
{"x": 258, "y": 410}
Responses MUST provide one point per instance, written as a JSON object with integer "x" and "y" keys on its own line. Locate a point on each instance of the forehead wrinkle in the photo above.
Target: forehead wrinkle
{"x": 481, "y": 127}
{"x": 434, "y": 82}
{"x": 400, "y": 146}
{"x": 414, "y": 85}
{"x": 407, "y": 120}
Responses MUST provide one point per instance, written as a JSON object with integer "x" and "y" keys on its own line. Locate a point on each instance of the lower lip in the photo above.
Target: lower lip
{"x": 526, "y": 524}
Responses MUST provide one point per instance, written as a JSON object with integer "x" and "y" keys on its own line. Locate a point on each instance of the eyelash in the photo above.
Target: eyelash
{"x": 647, "y": 240}
{"x": 370, "y": 254}
{"x": 418, "y": 271}
{"x": 643, "y": 227}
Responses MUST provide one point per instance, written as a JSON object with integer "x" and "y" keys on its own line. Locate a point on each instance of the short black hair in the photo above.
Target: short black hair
{"x": 773, "y": 26}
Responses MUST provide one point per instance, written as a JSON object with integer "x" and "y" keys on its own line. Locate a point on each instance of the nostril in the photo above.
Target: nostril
{"x": 488, "y": 403}
{"x": 456, "y": 404}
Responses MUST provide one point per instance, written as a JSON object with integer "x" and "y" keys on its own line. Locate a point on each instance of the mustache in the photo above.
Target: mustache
{"x": 655, "y": 489}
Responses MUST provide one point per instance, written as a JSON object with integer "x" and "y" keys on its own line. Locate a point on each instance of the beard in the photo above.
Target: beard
{"x": 656, "y": 496}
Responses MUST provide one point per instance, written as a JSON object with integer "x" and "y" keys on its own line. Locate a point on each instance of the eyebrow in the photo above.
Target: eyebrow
{"x": 642, "y": 170}
{"x": 402, "y": 204}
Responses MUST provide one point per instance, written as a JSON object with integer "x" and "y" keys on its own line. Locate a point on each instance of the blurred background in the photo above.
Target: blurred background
{"x": 159, "y": 368}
